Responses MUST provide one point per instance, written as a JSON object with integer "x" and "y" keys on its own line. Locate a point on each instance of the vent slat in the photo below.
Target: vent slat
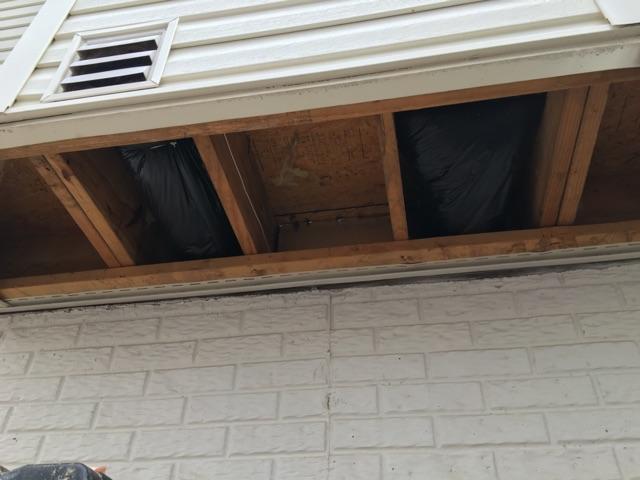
{"x": 121, "y": 47}
{"x": 104, "y": 79}
{"x": 115, "y": 62}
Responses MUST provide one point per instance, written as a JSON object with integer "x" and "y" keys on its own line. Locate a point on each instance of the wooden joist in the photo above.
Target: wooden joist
{"x": 393, "y": 177}
{"x": 237, "y": 181}
{"x": 323, "y": 260}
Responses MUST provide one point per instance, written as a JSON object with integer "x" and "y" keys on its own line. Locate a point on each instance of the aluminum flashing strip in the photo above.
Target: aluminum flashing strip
{"x": 620, "y": 12}
{"x": 576, "y": 256}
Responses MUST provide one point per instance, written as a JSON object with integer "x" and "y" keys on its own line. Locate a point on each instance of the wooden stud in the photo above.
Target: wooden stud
{"x": 326, "y": 114}
{"x": 583, "y": 153}
{"x": 51, "y": 178}
{"x": 553, "y": 153}
{"x": 237, "y": 182}
{"x": 395, "y": 253}
{"x": 393, "y": 177}
{"x": 104, "y": 191}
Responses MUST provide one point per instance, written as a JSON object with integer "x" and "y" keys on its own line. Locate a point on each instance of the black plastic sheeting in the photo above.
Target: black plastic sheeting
{"x": 463, "y": 164}
{"x": 64, "y": 471}
{"x": 179, "y": 194}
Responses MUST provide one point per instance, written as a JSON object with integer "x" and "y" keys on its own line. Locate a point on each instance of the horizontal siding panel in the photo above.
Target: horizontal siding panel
{"x": 12, "y": 33}
{"x": 277, "y": 21}
{"x": 15, "y": 16}
{"x": 19, "y": 12}
{"x": 90, "y": 6}
{"x": 11, "y": 4}
{"x": 376, "y": 45}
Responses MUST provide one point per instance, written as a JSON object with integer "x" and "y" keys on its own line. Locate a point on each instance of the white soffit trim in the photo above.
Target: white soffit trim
{"x": 23, "y": 59}
{"x": 620, "y": 12}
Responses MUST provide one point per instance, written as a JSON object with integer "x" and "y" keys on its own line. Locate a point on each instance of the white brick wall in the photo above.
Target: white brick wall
{"x": 530, "y": 377}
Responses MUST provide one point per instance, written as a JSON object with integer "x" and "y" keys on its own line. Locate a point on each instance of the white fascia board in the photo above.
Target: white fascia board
{"x": 621, "y": 12}
{"x": 611, "y": 54}
{"x": 24, "y": 58}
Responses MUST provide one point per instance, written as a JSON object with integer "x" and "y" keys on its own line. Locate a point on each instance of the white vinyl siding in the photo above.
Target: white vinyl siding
{"x": 15, "y": 17}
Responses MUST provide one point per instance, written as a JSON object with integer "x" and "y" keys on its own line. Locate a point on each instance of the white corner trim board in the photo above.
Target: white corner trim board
{"x": 25, "y": 56}
{"x": 620, "y": 12}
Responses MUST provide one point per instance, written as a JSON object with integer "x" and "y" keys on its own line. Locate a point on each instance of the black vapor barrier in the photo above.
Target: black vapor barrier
{"x": 64, "y": 471}
{"x": 463, "y": 165}
{"x": 178, "y": 192}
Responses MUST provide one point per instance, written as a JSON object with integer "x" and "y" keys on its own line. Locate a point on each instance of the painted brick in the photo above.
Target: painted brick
{"x": 239, "y": 349}
{"x": 32, "y": 339}
{"x": 468, "y": 307}
{"x": 282, "y": 438}
{"x": 29, "y": 389}
{"x": 195, "y": 327}
{"x": 424, "y": 338}
{"x": 479, "y": 363}
{"x": 296, "y": 319}
{"x": 147, "y": 357}
{"x": 61, "y": 416}
{"x": 140, "y": 413}
{"x": 167, "y": 309}
{"x": 629, "y": 460}
{"x": 382, "y": 433}
{"x": 541, "y": 393}
{"x": 191, "y": 380}
{"x": 85, "y": 360}
{"x": 557, "y": 464}
{"x": 13, "y": 363}
{"x": 589, "y": 356}
{"x": 118, "y": 333}
{"x": 140, "y": 471}
{"x": 303, "y": 403}
{"x": 611, "y": 324}
{"x": 354, "y": 401}
{"x": 375, "y": 314}
{"x": 81, "y": 447}
{"x": 57, "y": 317}
{"x": 631, "y": 292}
{"x": 524, "y": 331}
{"x": 378, "y": 367}
{"x": 594, "y": 425}
{"x": 179, "y": 443}
{"x": 432, "y": 397}
{"x": 4, "y": 413}
{"x": 304, "y": 468}
{"x": 354, "y": 467}
{"x": 490, "y": 430}
{"x": 352, "y": 341}
{"x": 566, "y": 300}
{"x": 19, "y": 449}
{"x": 225, "y": 470}
{"x": 600, "y": 274}
{"x": 439, "y": 466}
{"x": 103, "y": 386}
{"x": 310, "y": 344}
{"x": 217, "y": 408}
{"x": 279, "y": 374}
{"x": 620, "y": 388}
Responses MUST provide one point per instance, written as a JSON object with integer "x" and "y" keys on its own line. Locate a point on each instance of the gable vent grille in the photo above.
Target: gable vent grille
{"x": 112, "y": 61}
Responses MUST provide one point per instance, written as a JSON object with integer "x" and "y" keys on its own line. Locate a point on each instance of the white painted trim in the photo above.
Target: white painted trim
{"x": 24, "y": 58}
{"x": 620, "y": 12}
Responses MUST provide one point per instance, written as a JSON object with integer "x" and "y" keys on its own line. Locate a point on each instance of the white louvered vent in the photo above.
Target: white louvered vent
{"x": 113, "y": 60}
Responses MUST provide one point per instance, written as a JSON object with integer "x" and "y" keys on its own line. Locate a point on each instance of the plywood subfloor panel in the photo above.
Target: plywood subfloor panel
{"x": 612, "y": 191}
{"x": 37, "y": 235}
{"x": 321, "y": 167}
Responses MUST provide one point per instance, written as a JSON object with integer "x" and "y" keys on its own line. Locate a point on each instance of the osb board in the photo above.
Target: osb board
{"x": 612, "y": 191}
{"x": 37, "y": 235}
{"x": 323, "y": 166}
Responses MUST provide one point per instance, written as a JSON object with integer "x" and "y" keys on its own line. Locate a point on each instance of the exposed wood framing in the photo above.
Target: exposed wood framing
{"x": 237, "y": 182}
{"x": 393, "y": 177}
{"x": 104, "y": 192}
{"x": 583, "y": 153}
{"x": 326, "y": 114}
{"x": 408, "y": 252}
{"x": 553, "y": 153}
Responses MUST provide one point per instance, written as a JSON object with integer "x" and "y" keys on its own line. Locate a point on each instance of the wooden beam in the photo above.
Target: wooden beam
{"x": 102, "y": 188}
{"x": 55, "y": 184}
{"x": 410, "y": 252}
{"x": 553, "y": 153}
{"x": 326, "y": 114}
{"x": 236, "y": 179}
{"x": 393, "y": 177}
{"x": 583, "y": 153}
